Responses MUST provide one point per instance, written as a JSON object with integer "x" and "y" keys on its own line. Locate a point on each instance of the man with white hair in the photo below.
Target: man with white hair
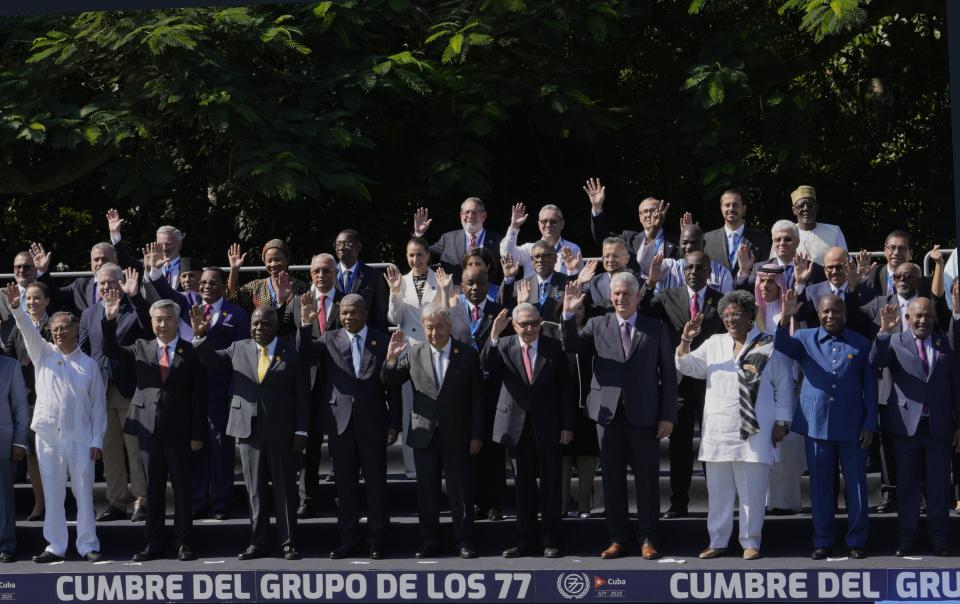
{"x": 82, "y": 292}
{"x": 169, "y": 242}
{"x": 120, "y": 451}
{"x": 69, "y": 421}
{"x": 453, "y": 245}
{"x": 798, "y": 270}
{"x": 550, "y": 222}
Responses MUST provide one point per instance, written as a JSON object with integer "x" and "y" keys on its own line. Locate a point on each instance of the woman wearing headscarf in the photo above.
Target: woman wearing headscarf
{"x": 748, "y": 406}
{"x": 275, "y": 290}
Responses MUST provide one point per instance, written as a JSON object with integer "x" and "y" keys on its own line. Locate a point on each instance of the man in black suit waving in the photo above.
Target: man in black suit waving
{"x": 360, "y": 415}
{"x": 723, "y": 244}
{"x": 536, "y": 413}
{"x": 269, "y": 416}
{"x": 446, "y": 424}
{"x": 452, "y": 245}
{"x": 167, "y": 413}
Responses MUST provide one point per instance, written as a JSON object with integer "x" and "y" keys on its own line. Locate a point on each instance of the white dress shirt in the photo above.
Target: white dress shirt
{"x": 71, "y": 391}
{"x": 522, "y": 253}
{"x": 815, "y": 242}
{"x": 171, "y": 349}
{"x": 328, "y": 302}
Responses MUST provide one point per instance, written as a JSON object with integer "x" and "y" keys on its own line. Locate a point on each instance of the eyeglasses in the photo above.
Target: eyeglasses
{"x": 896, "y": 248}
{"x": 469, "y": 212}
{"x": 905, "y": 276}
{"x": 648, "y": 212}
{"x": 549, "y": 222}
{"x": 542, "y": 257}
{"x": 612, "y": 256}
{"x": 805, "y": 205}
{"x": 342, "y": 244}
{"x": 732, "y": 316}
{"x": 527, "y": 324}
{"x": 23, "y": 267}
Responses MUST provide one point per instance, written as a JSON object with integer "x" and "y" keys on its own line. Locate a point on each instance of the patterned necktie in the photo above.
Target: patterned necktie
{"x": 734, "y": 247}
{"x": 528, "y": 364}
{"x": 473, "y": 240}
{"x": 694, "y": 306}
{"x": 357, "y": 354}
{"x": 164, "y": 364}
{"x": 476, "y": 313}
{"x": 922, "y": 351}
{"x": 322, "y": 313}
{"x": 207, "y": 313}
{"x": 346, "y": 281}
{"x": 263, "y": 363}
{"x": 543, "y": 292}
{"x": 625, "y": 338}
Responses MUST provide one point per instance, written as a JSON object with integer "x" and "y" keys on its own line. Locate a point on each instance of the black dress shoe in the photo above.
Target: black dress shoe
{"x": 93, "y": 556}
{"x": 552, "y": 552}
{"x": 858, "y": 553}
{"x": 306, "y": 511}
{"x": 46, "y": 556}
{"x": 902, "y": 551}
{"x": 427, "y": 551}
{"x": 221, "y": 516}
{"x": 887, "y": 507}
{"x": 110, "y": 514}
{"x": 290, "y": 553}
{"x": 515, "y": 552}
{"x": 821, "y": 553}
{"x": 251, "y": 553}
{"x": 495, "y": 515}
{"x": 147, "y": 555}
{"x": 185, "y": 554}
{"x": 467, "y": 553}
{"x": 139, "y": 514}
{"x": 6, "y": 557}
{"x": 676, "y": 512}
{"x": 344, "y": 551}
{"x": 376, "y": 552}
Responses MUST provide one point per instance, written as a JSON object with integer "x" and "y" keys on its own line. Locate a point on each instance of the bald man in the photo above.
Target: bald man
{"x": 843, "y": 281}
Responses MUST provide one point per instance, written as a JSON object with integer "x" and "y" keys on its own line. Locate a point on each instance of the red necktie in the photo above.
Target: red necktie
{"x": 207, "y": 313}
{"x": 164, "y": 365}
{"x": 527, "y": 365}
{"x": 476, "y": 313}
{"x": 694, "y": 305}
{"x": 473, "y": 241}
{"x": 322, "y": 313}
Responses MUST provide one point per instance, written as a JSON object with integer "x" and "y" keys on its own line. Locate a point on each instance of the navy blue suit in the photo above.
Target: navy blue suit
{"x": 133, "y": 323}
{"x": 838, "y": 399}
{"x": 920, "y": 417}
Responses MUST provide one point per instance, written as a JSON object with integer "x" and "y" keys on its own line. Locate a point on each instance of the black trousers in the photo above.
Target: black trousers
{"x": 162, "y": 460}
{"x": 309, "y": 486}
{"x": 622, "y": 444}
{"x": 355, "y": 450}
{"x": 538, "y": 455}
{"x": 430, "y": 463}
{"x": 276, "y": 463}
{"x": 914, "y": 455}
{"x": 689, "y": 414}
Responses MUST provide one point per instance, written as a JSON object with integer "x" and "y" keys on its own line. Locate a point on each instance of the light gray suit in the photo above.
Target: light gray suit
{"x": 14, "y": 420}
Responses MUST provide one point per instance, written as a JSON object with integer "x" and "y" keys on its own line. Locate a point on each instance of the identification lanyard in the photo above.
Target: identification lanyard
{"x": 353, "y": 277}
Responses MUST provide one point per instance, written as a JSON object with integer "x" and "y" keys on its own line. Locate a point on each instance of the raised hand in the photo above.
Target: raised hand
{"x": 656, "y": 269}
{"x": 862, "y": 268}
{"x": 571, "y": 261}
{"x": 284, "y": 288}
{"x": 523, "y": 291}
{"x": 444, "y": 279}
{"x": 518, "y": 215}
{"x": 935, "y": 254}
{"x": 572, "y": 297}
{"x": 114, "y": 222}
{"x": 510, "y": 266}
{"x": 131, "y": 281}
{"x": 421, "y": 221}
{"x": 790, "y": 306}
{"x": 198, "y": 322}
{"x": 889, "y": 318}
{"x": 13, "y": 294}
{"x": 152, "y": 256}
{"x": 500, "y": 323}
{"x": 804, "y": 268}
{"x": 596, "y": 193}
{"x": 235, "y": 257}
{"x": 685, "y": 219}
{"x": 393, "y": 279}
{"x": 692, "y": 327}
{"x": 308, "y": 308}
{"x": 111, "y": 303}
{"x": 745, "y": 260}
{"x": 660, "y": 215}
{"x": 589, "y": 270}
{"x": 955, "y": 295}
{"x": 396, "y": 346}
{"x": 40, "y": 257}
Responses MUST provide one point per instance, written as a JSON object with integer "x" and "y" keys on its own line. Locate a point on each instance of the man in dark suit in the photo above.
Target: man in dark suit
{"x": 359, "y": 414}
{"x": 897, "y": 249}
{"x": 269, "y": 415}
{"x": 921, "y": 418}
{"x": 786, "y": 240}
{"x": 83, "y": 292}
{"x": 723, "y": 244}
{"x": 446, "y": 424}
{"x": 633, "y": 399}
{"x": 842, "y": 281}
{"x": 323, "y": 275}
{"x": 355, "y": 277}
{"x": 536, "y": 413}
{"x": 615, "y": 258}
{"x": 676, "y": 306}
{"x": 450, "y": 249}
{"x": 14, "y": 421}
{"x": 643, "y": 245}
{"x": 546, "y": 285}
{"x": 166, "y": 415}
{"x": 120, "y": 451}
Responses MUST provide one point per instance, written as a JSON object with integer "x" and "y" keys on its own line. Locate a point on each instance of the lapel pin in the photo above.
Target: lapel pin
{"x": 850, "y": 356}
{"x": 456, "y": 350}
{"x": 373, "y": 343}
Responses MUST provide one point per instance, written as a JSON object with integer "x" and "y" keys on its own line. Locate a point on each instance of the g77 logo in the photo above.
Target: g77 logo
{"x": 573, "y": 586}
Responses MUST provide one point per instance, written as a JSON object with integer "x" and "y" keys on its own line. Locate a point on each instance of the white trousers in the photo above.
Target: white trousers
{"x": 58, "y": 458}
{"x": 726, "y": 482}
{"x": 785, "y": 474}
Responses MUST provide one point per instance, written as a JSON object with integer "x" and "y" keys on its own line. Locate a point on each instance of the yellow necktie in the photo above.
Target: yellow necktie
{"x": 262, "y": 364}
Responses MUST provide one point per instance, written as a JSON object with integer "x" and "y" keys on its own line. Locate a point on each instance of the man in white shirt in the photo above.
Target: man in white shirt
{"x": 70, "y": 420}
{"x": 669, "y": 273}
{"x": 815, "y": 238}
{"x": 169, "y": 242}
{"x": 550, "y": 222}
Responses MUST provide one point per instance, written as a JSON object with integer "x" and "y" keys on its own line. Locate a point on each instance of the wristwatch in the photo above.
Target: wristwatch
{"x": 782, "y": 424}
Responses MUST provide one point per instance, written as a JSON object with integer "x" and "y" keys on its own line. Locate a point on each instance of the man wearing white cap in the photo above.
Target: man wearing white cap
{"x": 815, "y": 237}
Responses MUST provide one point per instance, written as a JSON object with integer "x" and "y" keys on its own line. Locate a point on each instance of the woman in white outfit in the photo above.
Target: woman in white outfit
{"x": 409, "y": 295}
{"x": 748, "y": 406}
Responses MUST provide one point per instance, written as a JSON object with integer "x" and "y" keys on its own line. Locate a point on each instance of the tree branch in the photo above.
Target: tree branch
{"x": 53, "y": 173}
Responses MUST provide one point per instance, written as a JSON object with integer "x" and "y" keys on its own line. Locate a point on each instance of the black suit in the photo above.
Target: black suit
{"x": 633, "y": 239}
{"x": 672, "y": 306}
{"x": 355, "y": 412}
{"x": 369, "y": 284}
{"x": 717, "y": 246}
{"x": 165, "y": 415}
{"x": 443, "y": 422}
{"x": 530, "y": 415}
{"x": 507, "y": 296}
{"x": 747, "y": 283}
{"x": 450, "y": 249}
{"x": 878, "y": 280}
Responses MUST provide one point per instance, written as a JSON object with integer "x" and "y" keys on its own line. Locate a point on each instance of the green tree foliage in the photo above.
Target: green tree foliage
{"x": 295, "y": 120}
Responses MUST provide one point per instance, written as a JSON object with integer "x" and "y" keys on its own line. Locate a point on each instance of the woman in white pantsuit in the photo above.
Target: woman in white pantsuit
{"x": 409, "y": 295}
{"x": 747, "y": 409}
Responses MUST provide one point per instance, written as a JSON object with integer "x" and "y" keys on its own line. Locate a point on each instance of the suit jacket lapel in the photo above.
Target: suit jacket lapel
{"x": 370, "y": 346}
{"x": 614, "y": 333}
{"x": 515, "y": 355}
{"x": 540, "y": 361}
{"x": 426, "y": 364}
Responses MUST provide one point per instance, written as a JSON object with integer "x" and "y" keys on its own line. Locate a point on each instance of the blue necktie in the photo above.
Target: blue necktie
{"x": 357, "y": 354}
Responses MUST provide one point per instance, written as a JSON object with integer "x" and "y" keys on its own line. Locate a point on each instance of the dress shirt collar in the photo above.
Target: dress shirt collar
{"x": 701, "y": 294}
{"x": 171, "y": 346}
{"x": 534, "y": 346}
{"x": 546, "y": 279}
{"x": 362, "y": 333}
{"x": 445, "y": 351}
{"x": 904, "y": 301}
{"x": 823, "y": 335}
{"x": 317, "y": 293}
{"x": 738, "y": 231}
{"x": 471, "y": 306}
{"x": 479, "y": 235}
{"x": 271, "y": 347}
{"x": 632, "y": 320}
{"x": 344, "y": 268}
{"x": 842, "y": 289}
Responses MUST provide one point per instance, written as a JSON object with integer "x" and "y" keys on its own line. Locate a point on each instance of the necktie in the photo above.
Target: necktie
{"x": 164, "y": 364}
{"x": 904, "y": 326}
{"x": 263, "y": 363}
{"x": 922, "y": 351}
{"x": 96, "y": 293}
{"x": 625, "y": 338}
{"x": 734, "y": 246}
{"x": 346, "y": 281}
{"x": 694, "y": 305}
{"x": 527, "y": 363}
{"x": 322, "y": 313}
{"x": 207, "y": 313}
{"x": 788, "y": 271}
{"x": 473, "y": 241}
{"x": 838, "y": 293}
{"x": 438, "y": 367}
{"x": 357, "y": 354}
{"x": 890, "y": 289}
{"x": 476, "y": 313}
{"x": 543, "y": 292}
